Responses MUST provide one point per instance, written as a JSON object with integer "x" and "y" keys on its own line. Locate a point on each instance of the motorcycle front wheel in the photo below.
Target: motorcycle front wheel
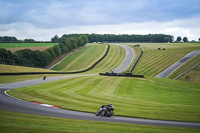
{"x": 97, "y": 113}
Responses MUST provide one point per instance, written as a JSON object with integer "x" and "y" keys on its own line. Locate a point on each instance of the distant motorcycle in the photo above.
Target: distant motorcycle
{"x": 105, "y": 110}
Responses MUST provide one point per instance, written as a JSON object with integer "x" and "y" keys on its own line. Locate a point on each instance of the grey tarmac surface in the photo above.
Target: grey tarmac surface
{"x": 178, "y": 64}
{"x": 127, "y": 61}
{"x": 9, "y": 103}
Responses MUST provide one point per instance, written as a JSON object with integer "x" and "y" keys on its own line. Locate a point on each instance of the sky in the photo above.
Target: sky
{"x": 43, "y": 19}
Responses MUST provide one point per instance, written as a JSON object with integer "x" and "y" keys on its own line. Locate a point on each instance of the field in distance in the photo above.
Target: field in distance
{"x": 33, "y": 46}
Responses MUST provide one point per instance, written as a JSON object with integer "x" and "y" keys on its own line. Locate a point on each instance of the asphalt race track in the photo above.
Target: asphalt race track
{"x": 176, "y": 65}
{"x": 10, "y": 103}
{"x": 127, "y": 61}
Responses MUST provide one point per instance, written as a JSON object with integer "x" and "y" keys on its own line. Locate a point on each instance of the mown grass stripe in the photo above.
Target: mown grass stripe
{"x": 111, "y": 61}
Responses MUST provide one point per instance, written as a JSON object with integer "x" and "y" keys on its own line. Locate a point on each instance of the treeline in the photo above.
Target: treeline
{"x": 10, "y": 39}
{"x": 38, "y": 58}
{"x": 159, "y": 38}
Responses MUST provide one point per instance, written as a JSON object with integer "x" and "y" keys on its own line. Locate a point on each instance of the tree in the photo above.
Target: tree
{"x": 199, "y": 39}
{"x": 55, "y": 39}
{"x": 63, "y": 48}
{"x": 68, "y": 44}
{"x": 26, "y": 57}
{"x": 29, "y": 40}
{"x": 51, "y": 52}
{"x": 6, "y": 57}
{"x": 47, "y": 56}
{"x": 8, "y": 39}
{"x": 84, "y": 38}
{"x": 80, "y": 41}
{"x": 185, "y": 39}
{"x": 166, "y": 39}
{"x": 57, "y": 50}
{"x": 178, "y": 39}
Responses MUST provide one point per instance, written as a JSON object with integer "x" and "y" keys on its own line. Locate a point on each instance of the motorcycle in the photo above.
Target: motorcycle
{"x": 105, "y": 110}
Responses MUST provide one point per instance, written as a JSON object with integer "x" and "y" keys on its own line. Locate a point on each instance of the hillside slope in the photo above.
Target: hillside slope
{"x": 154, "y": 61}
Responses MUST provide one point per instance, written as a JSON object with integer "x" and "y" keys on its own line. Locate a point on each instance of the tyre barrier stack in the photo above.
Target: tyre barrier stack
{"x": 31, "y": 73}
{"x": 121, "y": 75}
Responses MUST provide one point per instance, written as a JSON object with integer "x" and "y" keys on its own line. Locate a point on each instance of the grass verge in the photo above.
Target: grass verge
{"x": 16, "y": 122}
{"x": 192, "y": 76}
{"x": 4, "y": 79}
{"x": 18, "y": 69}
{"x": 186, "y": 66}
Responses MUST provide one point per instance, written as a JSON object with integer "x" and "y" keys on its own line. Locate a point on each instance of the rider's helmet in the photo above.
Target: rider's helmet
{"x": 110, "y": 105}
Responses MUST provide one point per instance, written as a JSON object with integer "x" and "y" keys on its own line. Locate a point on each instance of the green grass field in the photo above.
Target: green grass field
{"x": 21, "y": 45}
{"x": 154, "y": 61}
{"x": 115, "y": 57}
{"x": 16, "y": 78}
{"x": 16, "y": 122}
{"x": 186, "y": 66}
{"x": 17, "y": 69}
{"x": 192, "y": 76}
{"x": 82, "y": 59}
{"x": 151, "y": 98}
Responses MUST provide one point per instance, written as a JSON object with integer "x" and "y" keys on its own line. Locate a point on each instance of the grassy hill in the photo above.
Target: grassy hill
{"x": 154, "y": 61}
{"x": 192, "y": 76}
{"x": 82, "y": 59}
{"x": 115, "y": 57}
{"x": 152, "y": 98}
{"x": 186, "y": 66}
{"x": 88, "y": 56}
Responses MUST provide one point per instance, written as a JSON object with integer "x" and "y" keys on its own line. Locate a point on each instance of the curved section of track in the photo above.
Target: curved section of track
{"x": 9, "y": 103}
{"x": 176, "y": 65}
{"x": 127, "y": 61}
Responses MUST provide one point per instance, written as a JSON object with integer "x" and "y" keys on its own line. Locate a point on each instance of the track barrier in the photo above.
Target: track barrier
{"x": 121, "y": 75}
{"x": 136, "y": 62}
{"x": 187, "y": 71}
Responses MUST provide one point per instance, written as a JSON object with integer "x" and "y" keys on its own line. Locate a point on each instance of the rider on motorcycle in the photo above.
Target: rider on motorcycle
{"x": 106, "y": 110}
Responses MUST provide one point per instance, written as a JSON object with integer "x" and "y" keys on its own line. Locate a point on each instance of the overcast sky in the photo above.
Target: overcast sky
{"x": 42, "y": 19}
